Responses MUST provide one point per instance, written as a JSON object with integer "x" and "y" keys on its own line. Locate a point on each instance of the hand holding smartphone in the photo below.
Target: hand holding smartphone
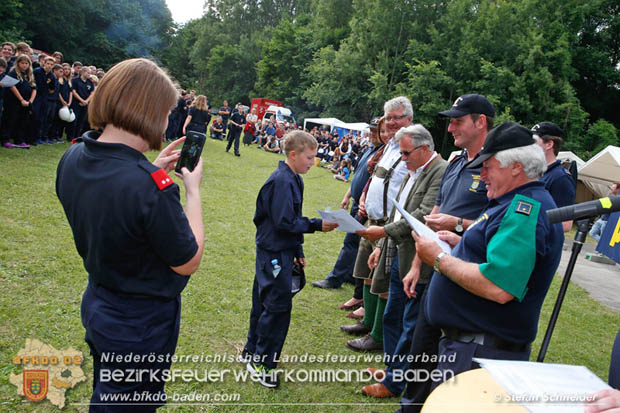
{"x": 192, "y": 149}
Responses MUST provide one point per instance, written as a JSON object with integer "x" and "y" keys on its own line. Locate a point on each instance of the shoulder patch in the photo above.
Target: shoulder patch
{"x": 161, "y": 178}
{"x": 524, "y": 208}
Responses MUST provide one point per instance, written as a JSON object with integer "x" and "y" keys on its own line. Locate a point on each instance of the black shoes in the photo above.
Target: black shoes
{"x": 356, "y": 329}
{"x": 326, "y": 283}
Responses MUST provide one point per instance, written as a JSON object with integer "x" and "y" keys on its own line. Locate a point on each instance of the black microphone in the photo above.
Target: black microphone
{"x": 585, "y": 209}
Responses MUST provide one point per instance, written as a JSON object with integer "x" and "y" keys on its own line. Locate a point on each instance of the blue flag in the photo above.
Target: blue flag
{"x": 609, "y": 244}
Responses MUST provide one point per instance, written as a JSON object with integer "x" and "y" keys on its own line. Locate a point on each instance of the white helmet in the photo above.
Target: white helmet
{"x": 66, "y": 114}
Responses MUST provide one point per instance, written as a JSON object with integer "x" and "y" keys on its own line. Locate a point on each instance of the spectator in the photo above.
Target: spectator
{"x": 17, "y": 113}
{"x": 217, "y": 128}
{"x": 250, "y": 127}
{"x": 345, "y": 171}
{"x": 83, "y": 89}
{"x": 45, "y": 102}
{"x": 8, "y": 52}
{"x": 225, "y": 113}
{"x": 58, "y": 57}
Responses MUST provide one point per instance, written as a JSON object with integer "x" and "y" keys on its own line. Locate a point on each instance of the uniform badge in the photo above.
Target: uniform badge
{"x": 161, "y": 178}
{"x": 524, "y": 208}
{"x": 35, "y": 384}
{"x": 456, "y": 102}
{"x": 475, "y": 183}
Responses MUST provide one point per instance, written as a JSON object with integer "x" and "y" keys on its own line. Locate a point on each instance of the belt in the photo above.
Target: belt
{"x": 379, "y": 222}
{"x": 484, "y": 339}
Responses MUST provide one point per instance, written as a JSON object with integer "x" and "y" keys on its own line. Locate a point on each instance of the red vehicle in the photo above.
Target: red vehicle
{"x": 261, "y": 105}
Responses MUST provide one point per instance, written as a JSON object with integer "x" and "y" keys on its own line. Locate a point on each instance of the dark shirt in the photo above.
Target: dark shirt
{"x": 127, "y": 231}
{"x": 462, "y": 193}
{"x": 199, "y": 116}
{"x": 23, "y": 87}
{"x": 227, "y": 115}
{"x": 279, "y": 223}
{"x": 45, "y": 82}
{"x": 65, "y": 90}
{"x": 361, "y": 174}
{"x": 560, "y": 184}
{"x": 218, "y": 127}
{"x": 83, "y": 88}
{"x": 238, "y": 119}
{"x": 451, "y": 306}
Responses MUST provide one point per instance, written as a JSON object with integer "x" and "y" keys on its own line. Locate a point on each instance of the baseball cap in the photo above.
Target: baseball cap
{"x": 508, "y": 135}
{"x": 547, "y": 128}
{"x": 467, "y": 104}
{"x": 374, "y": 122}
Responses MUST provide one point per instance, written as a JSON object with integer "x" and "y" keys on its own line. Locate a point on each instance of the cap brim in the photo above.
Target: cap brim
{"x": 453, "y": 113}
{"x": 474, "y": 163}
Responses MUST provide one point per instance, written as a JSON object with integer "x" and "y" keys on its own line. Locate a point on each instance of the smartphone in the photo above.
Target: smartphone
{"x": 192, "y": 148}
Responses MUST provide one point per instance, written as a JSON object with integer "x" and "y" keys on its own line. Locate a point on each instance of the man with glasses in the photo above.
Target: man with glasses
{"x": 395, "y": 251}
{"x": 462, "y": 196}
{"x": 384, "y": 185}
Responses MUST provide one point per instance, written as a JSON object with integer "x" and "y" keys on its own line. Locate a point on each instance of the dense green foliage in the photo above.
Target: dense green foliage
{"x": 536, "y": 60}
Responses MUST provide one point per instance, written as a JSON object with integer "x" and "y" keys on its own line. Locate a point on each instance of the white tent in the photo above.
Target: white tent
{"x": 323, "y": 121}
{"x": 357, "y": 126}
{"x": 603, "y": 168}
{"x": 601, "y": 171}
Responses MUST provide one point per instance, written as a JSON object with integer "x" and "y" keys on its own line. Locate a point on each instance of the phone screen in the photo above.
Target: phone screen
{"x": 192, "y": 149}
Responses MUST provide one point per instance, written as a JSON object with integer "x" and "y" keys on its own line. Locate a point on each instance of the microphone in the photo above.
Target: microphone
{"x": 588, "y": 209}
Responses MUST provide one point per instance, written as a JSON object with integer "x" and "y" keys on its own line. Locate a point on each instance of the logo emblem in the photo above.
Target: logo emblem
{"x": 475, "y": 183}
{"x": 524, "y": 208}
{"x": 457, "y": 101}
{"x": 35, "y": 384}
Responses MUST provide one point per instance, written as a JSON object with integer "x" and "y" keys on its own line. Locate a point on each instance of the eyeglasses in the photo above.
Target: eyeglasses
{"x": 407, "y": 153}
{"x": 397, "y": 117}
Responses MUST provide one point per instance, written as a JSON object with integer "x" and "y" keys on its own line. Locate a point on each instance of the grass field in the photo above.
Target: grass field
{"x": 42, "y": 280}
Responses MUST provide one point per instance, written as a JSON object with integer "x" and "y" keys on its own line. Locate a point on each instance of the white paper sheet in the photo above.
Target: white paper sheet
{"x": 544, "y": 387}
{"x": 420, "y": 228}
{"x": 346, "y": 223}
{"x": 8, "y": 81}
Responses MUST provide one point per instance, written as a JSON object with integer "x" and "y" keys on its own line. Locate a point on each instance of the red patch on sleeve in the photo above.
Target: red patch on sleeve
{"x": 161, "y": 178}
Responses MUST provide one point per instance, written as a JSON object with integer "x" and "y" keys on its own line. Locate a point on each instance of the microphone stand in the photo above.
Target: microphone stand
{"x": 580, "y": 237}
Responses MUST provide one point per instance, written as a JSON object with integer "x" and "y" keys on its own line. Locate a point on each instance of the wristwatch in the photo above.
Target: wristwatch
{"x": 459, "y": 226}
{"x": 437, "y": 259}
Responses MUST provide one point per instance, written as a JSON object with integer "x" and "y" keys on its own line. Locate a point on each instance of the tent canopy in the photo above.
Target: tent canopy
{"x": 603, "y": 168}
{"x": 322, "y": 121}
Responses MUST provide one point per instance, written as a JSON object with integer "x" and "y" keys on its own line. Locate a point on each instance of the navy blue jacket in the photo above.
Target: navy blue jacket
{"x": 279, "y": 223}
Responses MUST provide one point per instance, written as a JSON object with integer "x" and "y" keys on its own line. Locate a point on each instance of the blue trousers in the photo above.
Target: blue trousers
{"x": 399, "y": 320}
{"x": 272, "y": 302}
{"x": 343, "y": 268}
{"x": 118, "y": 324}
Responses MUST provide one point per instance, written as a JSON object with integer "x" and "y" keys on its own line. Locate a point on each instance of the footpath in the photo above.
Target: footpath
{"x": 601, "y": 281}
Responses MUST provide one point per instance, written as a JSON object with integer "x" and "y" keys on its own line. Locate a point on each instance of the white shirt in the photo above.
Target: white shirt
{"x": 413, "y": 176}
{"x": 374, "y": 196}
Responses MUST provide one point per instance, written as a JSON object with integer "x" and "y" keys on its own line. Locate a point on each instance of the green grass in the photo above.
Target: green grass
{"x": 42, "y": 280}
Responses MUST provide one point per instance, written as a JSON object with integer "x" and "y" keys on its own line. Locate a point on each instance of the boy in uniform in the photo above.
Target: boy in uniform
{"x": 279, "y": 237}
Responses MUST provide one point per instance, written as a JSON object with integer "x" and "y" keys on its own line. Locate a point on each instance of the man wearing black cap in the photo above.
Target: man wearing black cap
{"x": 462, "y": 196}
{"x": 557, "y": 180}
{"x": 487, "y": 294}
{"x": 343, "y": 269}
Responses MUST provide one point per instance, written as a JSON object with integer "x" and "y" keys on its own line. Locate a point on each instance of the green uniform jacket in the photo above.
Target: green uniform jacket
{"x": 419, "y": 202}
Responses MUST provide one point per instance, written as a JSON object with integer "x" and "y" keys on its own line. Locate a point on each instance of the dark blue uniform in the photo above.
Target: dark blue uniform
{"x": 518, "y": 250}
{"x": 83, "y": 88}
{"x": 279, "y": 235}
{"x": 560, "y": 184}
{"x": 462, "y": 194}
{"x": 235, "y": 131}
{"x": 59, "y": 125}
{"x": 47, "y": 89}
{"x": 17, "y": 119}
{"x": 129, "y": 232}
{"x": 472, "y": 191}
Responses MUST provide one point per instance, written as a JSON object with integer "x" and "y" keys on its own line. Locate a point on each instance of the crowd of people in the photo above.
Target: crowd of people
{"x": 480, "y": 298}
{"x": 48, "y": 100}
